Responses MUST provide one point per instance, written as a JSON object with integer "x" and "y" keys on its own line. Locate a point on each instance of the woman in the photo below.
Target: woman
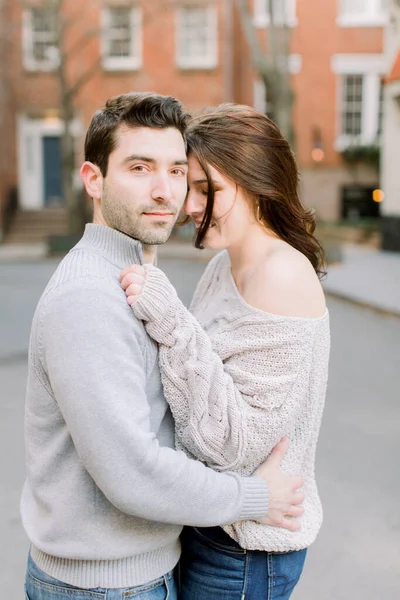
{"x": 249, "y": 365}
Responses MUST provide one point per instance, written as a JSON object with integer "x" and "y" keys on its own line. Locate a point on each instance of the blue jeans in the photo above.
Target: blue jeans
{"x": 214, "y": 567}
{"x": 39, "y": 586}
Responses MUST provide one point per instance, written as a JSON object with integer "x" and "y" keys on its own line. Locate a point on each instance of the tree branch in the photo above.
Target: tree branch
{"x": 262, "y": 63}
{"x": 84, "y": 78}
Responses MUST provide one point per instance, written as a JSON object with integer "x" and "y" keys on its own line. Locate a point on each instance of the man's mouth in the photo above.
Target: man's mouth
{"x": 158, "y": 214}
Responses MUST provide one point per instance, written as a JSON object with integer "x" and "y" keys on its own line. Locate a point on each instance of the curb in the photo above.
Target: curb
{"x": 35, "y": 252}
{"x": 380, "y": 310}
{"x": 22, "y": 252}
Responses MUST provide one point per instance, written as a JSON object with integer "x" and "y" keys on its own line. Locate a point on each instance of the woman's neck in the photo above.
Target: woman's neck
{"x": 246, "y": 254}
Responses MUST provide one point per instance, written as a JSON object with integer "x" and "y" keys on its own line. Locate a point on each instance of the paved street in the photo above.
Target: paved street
{"x": 357, "y": 555}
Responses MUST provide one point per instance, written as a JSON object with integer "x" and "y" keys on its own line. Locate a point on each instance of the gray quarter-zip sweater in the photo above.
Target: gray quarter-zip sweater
{"x": 106, "y": 494}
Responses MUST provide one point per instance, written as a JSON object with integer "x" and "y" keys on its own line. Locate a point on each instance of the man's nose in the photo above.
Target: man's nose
{"x": 162, "y": 189}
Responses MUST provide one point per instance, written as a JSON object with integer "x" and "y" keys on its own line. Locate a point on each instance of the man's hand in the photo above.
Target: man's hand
{"x": 284, "y": 497}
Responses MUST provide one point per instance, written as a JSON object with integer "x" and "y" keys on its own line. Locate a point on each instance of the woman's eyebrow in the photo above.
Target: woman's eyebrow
{"x": 200, "y": 181}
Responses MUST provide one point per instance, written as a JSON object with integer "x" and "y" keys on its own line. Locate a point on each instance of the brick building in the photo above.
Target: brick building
{"x": 195, "y": 50}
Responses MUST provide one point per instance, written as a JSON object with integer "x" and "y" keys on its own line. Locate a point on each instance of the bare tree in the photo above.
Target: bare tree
{"x": 271, "y": 61}
{"x": 7, "y": 200}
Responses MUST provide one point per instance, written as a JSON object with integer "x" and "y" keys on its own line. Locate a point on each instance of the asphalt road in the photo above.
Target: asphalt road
{"x": 357, "y": 554}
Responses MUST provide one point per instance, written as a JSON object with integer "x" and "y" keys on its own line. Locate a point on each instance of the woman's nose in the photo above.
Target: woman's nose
{"x": 193, "y": 204}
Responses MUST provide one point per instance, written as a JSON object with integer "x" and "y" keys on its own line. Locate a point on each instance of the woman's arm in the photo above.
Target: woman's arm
{"x": 230, "y": 409}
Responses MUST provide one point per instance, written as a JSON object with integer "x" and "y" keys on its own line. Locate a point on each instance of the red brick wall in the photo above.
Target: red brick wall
{"x": 316, "y": 39}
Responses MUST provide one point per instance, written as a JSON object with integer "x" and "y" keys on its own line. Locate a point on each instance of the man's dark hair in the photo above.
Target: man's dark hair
{"x": 135, "y": 110}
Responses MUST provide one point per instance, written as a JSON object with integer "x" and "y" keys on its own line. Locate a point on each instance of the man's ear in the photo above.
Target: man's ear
{"x": 92, "y": 179}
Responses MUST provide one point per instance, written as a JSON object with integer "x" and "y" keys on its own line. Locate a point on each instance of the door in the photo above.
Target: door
{"x": 52, "y": 181}
{"x": 358, "y": 202}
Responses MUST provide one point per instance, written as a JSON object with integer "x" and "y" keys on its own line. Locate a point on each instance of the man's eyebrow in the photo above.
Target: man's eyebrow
{"x": 137, "y": 157}
{"x": 148, "y": 159}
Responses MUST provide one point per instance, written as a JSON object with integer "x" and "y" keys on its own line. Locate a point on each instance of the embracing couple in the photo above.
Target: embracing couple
{"x": 170, "y": 453}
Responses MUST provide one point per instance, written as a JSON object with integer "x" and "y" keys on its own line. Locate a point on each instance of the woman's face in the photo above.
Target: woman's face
{"x": 232, "y": 214}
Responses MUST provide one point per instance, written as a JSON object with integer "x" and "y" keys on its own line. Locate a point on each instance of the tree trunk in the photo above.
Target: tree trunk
{"x": 272, "y": 67}
{"x": 72, "y": 201}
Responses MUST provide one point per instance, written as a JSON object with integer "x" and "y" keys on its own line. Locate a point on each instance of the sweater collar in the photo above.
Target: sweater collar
{"x": 117, "y": 247}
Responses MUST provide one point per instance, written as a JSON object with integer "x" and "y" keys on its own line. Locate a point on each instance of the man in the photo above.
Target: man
{"x": 106, "y": 493}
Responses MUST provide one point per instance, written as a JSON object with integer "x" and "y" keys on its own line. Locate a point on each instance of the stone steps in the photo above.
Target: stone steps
{"x": 35, "y": 226}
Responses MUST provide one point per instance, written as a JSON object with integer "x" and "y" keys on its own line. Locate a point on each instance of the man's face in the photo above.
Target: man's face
{"x": 146, "y": 183}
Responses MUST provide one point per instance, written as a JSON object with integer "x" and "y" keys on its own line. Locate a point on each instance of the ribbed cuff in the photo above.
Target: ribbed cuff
{"x": 122, "y": 573}
{"x": 157, "y": 296}
{"x": 256, "y": 498}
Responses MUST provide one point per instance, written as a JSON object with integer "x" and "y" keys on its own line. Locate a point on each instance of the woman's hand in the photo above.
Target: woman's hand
{"x": 132, "y": 280}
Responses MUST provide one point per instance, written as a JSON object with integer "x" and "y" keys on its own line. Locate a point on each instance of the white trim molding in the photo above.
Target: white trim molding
{"x": 295, "y": 63}
{"x": 30, "y": 133}
{"x": 349, "y": 64}
{"x": 262, "y": 19}
{"x": 208, "y": 57}
{"x": 132, "y": 61}
{"x": 369, "y": 114}
{"x": 362, "y": 13}
{"x": 371, "y": 67}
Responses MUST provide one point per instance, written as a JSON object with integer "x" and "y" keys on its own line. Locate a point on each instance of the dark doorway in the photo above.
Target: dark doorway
{"x": 52, "y": 171}
{"x": 357, "y": 202}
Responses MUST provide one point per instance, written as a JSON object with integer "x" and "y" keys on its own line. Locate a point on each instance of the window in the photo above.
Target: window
{"x": 359, "y": 13}
{"x": 352, "y": 103}
{"x": 284, "y": 13}
{"x": 359, "y": 98}
{"x": 121, "y": 38}
{"x": 197, "y": 35}
{"x": 361, "y": 110}
{"x": 40, "y": 39}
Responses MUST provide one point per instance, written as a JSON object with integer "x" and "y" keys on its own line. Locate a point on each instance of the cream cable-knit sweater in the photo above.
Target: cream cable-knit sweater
{"x": 237, "y": 379}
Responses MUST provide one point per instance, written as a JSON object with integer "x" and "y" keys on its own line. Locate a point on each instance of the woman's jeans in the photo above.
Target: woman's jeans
{"x": 214, "y": 567}
{"x": 39, "y": 586}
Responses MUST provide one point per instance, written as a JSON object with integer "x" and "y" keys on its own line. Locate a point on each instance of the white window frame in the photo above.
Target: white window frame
{"x": 29, "y": 61}
{"x": 122, "y": 63}
{"x": 260, "y": 96}
{"x": 372, "y": 15}
{"x": 371, "y": 67}
{"x": 262, "y": 16}
{"x": 207, "y": 61}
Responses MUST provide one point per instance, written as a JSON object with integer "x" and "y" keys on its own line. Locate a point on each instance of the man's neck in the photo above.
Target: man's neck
{"x": 149, "y": 254}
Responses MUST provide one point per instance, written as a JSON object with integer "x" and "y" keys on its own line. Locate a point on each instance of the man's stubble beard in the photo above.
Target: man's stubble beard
{"x": 119, "y": 217}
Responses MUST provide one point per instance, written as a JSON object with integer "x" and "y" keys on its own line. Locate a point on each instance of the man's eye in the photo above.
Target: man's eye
{"x": 204, "y": 192}
{"x": 178, "y": 172}
{"x": 138, "y": 168}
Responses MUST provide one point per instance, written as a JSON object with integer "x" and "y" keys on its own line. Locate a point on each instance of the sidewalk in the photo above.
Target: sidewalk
{"x": 179, "y": 250}
{"x": 367, "y": 276}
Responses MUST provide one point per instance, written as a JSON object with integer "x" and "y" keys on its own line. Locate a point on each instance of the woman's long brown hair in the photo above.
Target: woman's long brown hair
{"x": 247, "y": 148}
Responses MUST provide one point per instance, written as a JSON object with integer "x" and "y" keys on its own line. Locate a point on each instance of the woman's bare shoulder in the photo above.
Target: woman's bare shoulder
{"x": 286, "y": 284}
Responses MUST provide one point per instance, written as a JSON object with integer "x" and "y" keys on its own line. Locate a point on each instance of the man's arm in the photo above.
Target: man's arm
{"x": 93, "y": 354}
